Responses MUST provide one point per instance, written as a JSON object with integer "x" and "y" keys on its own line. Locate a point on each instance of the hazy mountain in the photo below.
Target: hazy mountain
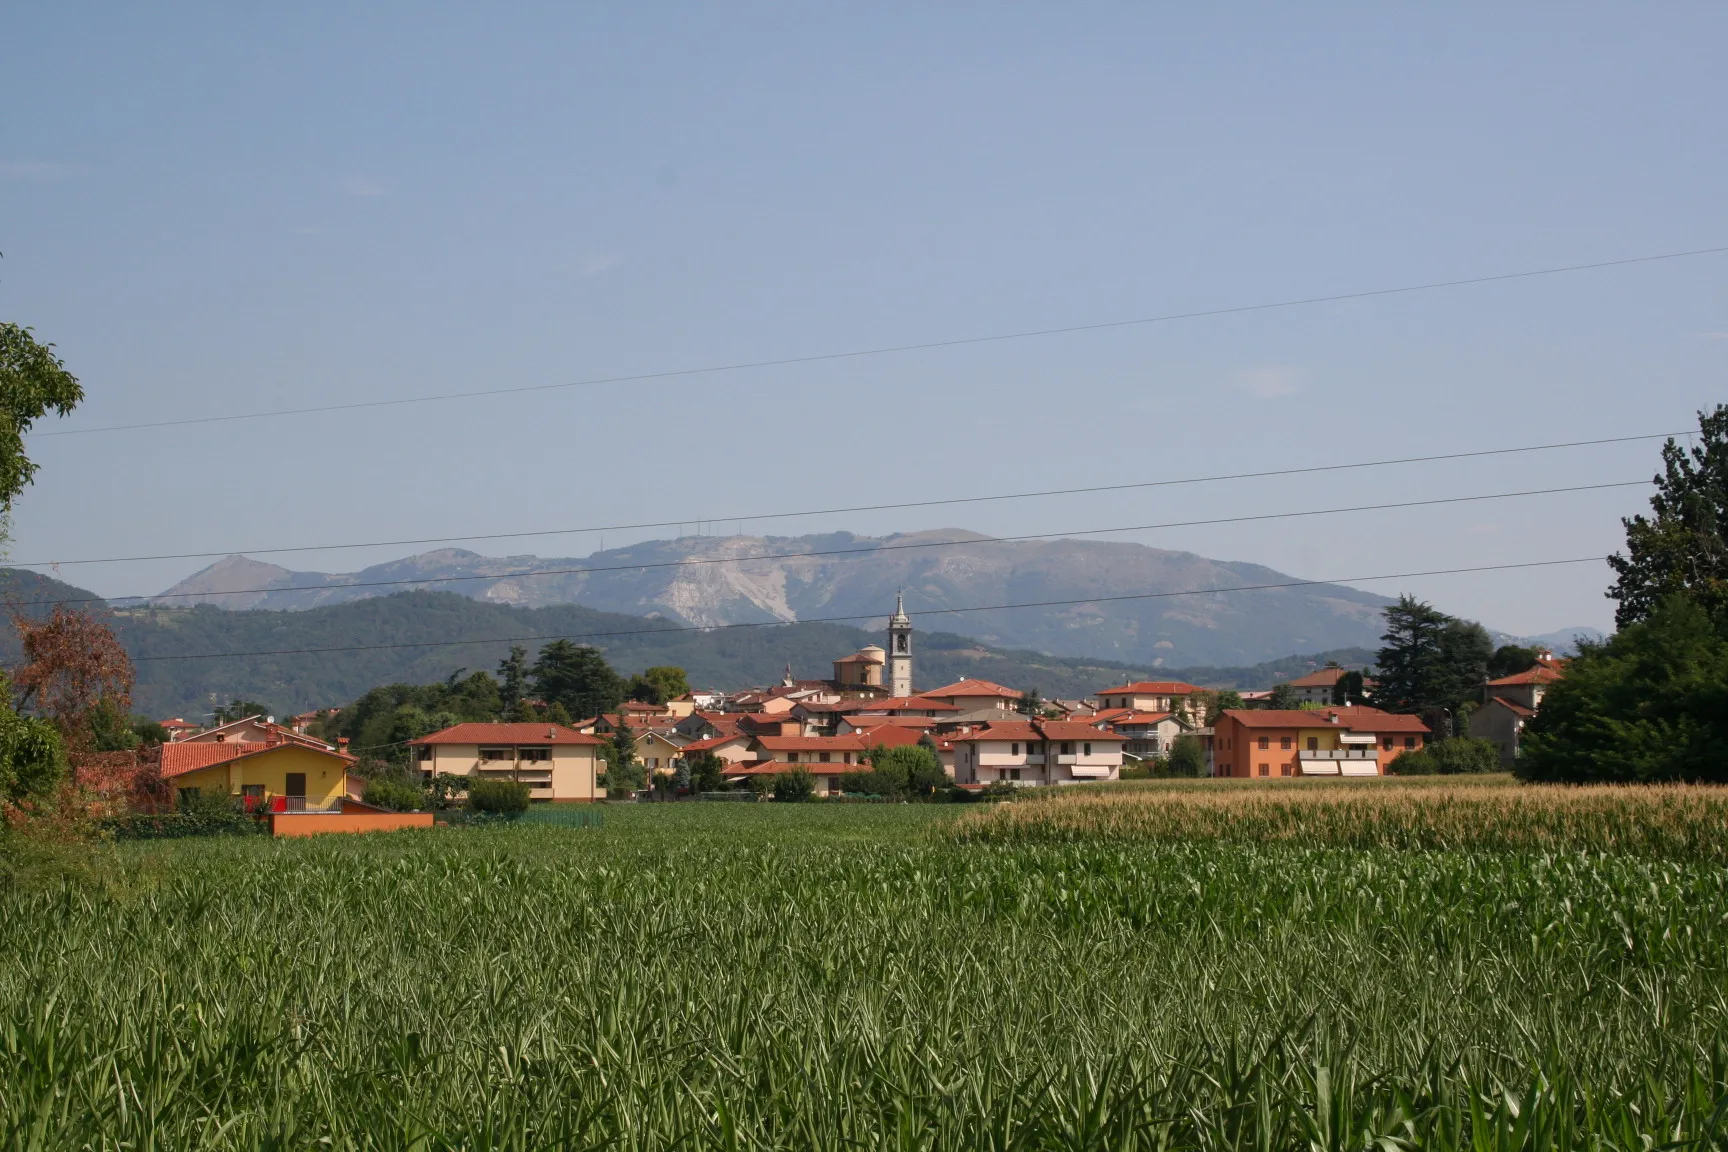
{"x": 712, "y": 580}
{"x": 293, "y": 661}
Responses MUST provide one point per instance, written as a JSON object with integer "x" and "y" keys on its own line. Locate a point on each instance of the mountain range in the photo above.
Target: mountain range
{"x": 319, "y": 657}
{"x": 1147, "y": 607}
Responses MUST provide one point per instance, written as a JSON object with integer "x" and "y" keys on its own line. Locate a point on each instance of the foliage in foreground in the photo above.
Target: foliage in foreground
{"x": 722, "y": 976}
{"x": 1453, "y": 756}
{"x": 1671, "y": 822}
{"x": 498, "y": 797}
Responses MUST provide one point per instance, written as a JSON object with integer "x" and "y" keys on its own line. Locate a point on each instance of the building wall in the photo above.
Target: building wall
{"x": 326, "y": 775}
{"x": 1502, "y": 726}
{"x": 1236, "y": 748}
{"x": 1034, "y": 762}
{"x": 573, "y": 768}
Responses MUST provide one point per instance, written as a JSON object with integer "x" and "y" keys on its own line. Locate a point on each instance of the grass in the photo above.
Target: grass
{"x": 1668, "y": 822}
{"x": 829, "y": 976}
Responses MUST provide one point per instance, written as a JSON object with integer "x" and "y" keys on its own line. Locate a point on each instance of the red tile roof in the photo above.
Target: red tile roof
{"x": 971, "y": 688}
{"x": 1516, "y": 709}
{"x": 898, "y": 703}
{"x": 851, "y": 743}
{"x": 1536, "y": 674}
{"x": 1319, "y": 678}
{"x": 713, "y": 742}
{"x": 1150, "y": 688}
{"x": 181, "y": 758}
{"x": 541, "y": 733}
{"x": 1358, "y": 718}
{"x": 1039, "y": 730}
{"x": 1131, "y": 716}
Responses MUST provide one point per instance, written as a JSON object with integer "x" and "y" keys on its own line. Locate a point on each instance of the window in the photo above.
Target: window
{"x": 1286, "y": 741}
{"x": 423, "y": 753}
{"x": 496, "y": 754}
{"x": 1013, "y": 773}
{"x": 1087, "y": 749}
{"x": 1265, "y": 743}
{"x": 1014, "y": 748}
{"x": 1409, "y": 741}
{"x": 846, "y": 757}
{"x": 1388, "y": 744}
{"x": 1067, "y": 748}
{"x": 833, "y": 783}
{"x": 255, "y": 790}
{"x": 1313, "y": 743}
{"x": 540, "y": 754}
{"x": 1283, "y": 769}
{"x": 791, "y": 757}
{"x": 825, "y": 757}
{"x": 187, "y": 795}
{"x": 1264, "y": 770}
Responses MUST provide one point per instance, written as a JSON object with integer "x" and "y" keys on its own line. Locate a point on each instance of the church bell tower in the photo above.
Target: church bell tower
{"x": 900, "y": 650}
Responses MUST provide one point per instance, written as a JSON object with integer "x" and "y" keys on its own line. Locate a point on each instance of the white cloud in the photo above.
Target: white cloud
{"x": 363, "y": 186}
{"x": 35, "y": 170}
{"x": 1271, "y": 381}
{"x": 596, "y": 263}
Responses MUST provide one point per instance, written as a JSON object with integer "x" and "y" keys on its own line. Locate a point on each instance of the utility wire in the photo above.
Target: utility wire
{"x": 874, "y": 550}
{"x": 816, "y": 358}
{"x": 936, "y": 503}
{"x": 671, "y": 628}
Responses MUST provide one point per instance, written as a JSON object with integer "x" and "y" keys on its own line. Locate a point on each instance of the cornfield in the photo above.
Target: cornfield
{"x": 843, "y": 977}
{"x": 1664, "y": 822}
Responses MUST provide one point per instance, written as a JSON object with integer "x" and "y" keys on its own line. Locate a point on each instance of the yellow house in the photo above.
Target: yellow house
{"x": 286, "y": 775}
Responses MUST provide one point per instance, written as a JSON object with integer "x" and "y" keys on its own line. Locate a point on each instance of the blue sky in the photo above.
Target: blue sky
{"x": 214, "y": 210}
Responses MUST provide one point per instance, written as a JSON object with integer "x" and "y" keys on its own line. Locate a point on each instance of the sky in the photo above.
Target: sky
{"x": 214, "y": 210}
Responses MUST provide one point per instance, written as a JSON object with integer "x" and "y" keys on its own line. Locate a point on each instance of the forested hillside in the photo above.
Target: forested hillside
{"x": 421, "y": 637}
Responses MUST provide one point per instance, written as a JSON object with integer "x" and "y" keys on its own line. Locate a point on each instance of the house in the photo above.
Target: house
{"x": 1317, "y": 687}
{"x": 1036, "y": 752}
{"x": 732, "y": 747}
{"x": 658, "y": 751}
{"x": 1342, "y": 741}
{"x": 251, "y": 730}
{"x": 829, "y": 779}
{"x": 305, "y": 720}
{"x": 1156, "y": 696}
{"x": 179, "y": 729}
{"x": 976, "y": 701}
{"x": 1511, "y": 703}
{"x": 273, "y": 773}
{"x": 557, "y": 763}
{"x": 1148, "y": 734}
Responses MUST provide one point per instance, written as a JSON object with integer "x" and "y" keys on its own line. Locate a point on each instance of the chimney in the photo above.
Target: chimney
{"x": 341, "y": 743}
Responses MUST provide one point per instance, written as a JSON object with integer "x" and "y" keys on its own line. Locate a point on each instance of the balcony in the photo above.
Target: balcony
{"x": 1339, "y": 762}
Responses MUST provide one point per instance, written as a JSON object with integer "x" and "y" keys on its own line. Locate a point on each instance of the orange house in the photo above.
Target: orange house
{"x": 1353, "y": 741}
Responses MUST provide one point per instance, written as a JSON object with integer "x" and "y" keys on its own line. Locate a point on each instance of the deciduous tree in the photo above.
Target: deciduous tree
{"x": 75, "y": 674}
{"x": 33, "y": 382}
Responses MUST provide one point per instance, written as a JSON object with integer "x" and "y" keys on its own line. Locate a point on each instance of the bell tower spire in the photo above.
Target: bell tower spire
{"x": 900, "y": 649}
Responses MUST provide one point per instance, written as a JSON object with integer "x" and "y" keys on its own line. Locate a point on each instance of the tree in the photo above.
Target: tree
{"x": 32, "y": 757}
{"x": 513, "y": 683}
{"x": 706, "y": 772}
{"x": 1648, "y": 704}
{"x": 578, "y": 678}
{"x": 658, "y": 684}
{"x": 33, "y": 382}
{"x": 1031, "y": 703}
{"x": 1681, "y": 547}
{"x": 1432, "y": 663}
{"x": 78, "y": 676}
{"x": 1283, "y": 696}
{"x": 1187, "y": 757}
{"x": 794, "y": 786}
{"x": 239, "y": 709}
{"x": 1511, "y": 659}
{"x": 1348, "y": 689}
{"x": 1221, "y": 701}
{"x": 623, "y": 770}
{"x": 906, "y": 770}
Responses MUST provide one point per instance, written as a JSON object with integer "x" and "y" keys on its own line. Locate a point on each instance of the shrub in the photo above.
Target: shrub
{"x": 498, "y": 797}
{"x": 1187, "y": 757}
{"x": 1453, "y": 756}
{"x": 794, "y": 786}
{"x": 384, "y": 793}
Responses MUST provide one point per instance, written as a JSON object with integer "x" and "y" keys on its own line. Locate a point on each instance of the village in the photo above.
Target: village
{"x": 984, "y": 736}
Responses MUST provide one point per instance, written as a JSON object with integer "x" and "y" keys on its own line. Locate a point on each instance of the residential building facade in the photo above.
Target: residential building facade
{"x": 557, "y": 763}
{"x": 1036, "y": 752}
{"x": 1352, "y": 741}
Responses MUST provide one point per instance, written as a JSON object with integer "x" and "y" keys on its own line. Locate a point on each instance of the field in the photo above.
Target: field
{"x": 871, "y": 976}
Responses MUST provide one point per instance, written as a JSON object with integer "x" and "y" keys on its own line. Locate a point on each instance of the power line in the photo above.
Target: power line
{"x": 935, "y": 503}
{"x": 816, "y": 358}
{"x": 421, "y": 581}
{"x": 671, "y": 628}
